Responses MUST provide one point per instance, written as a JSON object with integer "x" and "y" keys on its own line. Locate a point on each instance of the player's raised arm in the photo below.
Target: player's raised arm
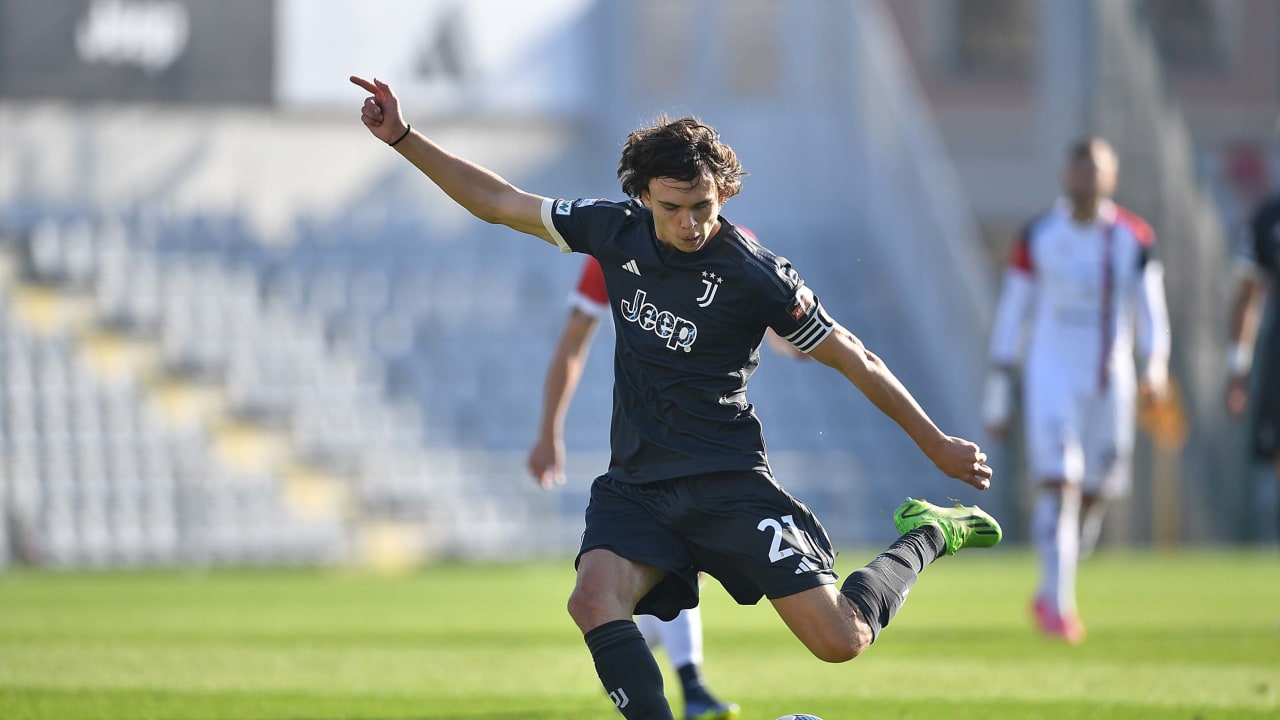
{"x": 956, "y": 457}
{"x": 481, "y": 191}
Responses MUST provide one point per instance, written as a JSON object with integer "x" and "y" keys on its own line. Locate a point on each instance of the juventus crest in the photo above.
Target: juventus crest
{"x": 712, "y": 283}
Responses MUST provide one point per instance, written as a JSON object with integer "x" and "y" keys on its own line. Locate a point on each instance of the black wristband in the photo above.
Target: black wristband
{"x": 395, "y": 142}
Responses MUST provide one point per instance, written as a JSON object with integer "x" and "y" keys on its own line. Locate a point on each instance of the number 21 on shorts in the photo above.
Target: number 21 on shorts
{"x": 796, "y": 538}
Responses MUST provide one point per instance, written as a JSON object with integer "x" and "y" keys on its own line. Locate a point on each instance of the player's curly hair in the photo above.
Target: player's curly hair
{"x": 683, "y": 150}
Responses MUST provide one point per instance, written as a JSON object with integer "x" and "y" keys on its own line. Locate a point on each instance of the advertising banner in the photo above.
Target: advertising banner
{"x": 180, "y": 51}
{"x": 444, "y": 56}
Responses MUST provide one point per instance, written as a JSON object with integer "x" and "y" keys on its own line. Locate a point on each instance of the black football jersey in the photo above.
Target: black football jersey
{"x": 688, "y": 329}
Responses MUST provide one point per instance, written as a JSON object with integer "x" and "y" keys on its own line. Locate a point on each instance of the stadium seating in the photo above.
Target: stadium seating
{"x": 166, "y": 380}
{"x": 169, "y": 380}
{"x": 368, "y": 380}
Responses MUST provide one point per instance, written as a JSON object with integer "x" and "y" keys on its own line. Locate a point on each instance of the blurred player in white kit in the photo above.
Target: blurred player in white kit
{"x": 1081, "y": 293}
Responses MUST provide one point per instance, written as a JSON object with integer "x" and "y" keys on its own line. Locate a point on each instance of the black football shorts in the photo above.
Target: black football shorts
{"x": 742, "y": 528}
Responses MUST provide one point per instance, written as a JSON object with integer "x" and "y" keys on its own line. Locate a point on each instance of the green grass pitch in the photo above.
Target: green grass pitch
{"x": 1193, "y": 635}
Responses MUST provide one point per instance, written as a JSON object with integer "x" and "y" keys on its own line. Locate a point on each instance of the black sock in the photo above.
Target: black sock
{"x": 880, "y": 588}
{"x": 628, "y": 671}
{"x": 691, "y": 682}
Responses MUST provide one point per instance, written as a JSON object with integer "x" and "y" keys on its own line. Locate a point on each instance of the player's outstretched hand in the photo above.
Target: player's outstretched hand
{"x": 381, "y": 111}
{"x": 964, "y": 461}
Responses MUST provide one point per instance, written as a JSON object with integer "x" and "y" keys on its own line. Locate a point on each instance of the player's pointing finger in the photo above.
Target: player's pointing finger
{"x": 357, "y": 80}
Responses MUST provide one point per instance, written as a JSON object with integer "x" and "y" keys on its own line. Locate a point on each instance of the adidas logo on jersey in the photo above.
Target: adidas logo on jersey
{"x": 678, "y": 332}
{"x": 631, "y": 267}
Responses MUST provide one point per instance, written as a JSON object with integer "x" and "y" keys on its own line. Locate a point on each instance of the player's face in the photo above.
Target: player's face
{"x": 1091, "y": 176}
{"x": 685, "y": 215}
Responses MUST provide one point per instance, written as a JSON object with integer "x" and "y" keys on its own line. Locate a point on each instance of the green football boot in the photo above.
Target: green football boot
{"x": 962, "y": 526}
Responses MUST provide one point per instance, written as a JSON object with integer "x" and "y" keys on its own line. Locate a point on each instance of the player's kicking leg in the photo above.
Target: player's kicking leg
{"x": 928, "y": 532}
{"x": 839, "y": 626}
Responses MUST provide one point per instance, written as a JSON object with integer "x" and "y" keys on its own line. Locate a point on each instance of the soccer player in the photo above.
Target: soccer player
{"x": 689, "y": 487}
{"x": 1260, "y": 261}
{"x": 1082, "y": 274}
{"x": 682, "y": 635}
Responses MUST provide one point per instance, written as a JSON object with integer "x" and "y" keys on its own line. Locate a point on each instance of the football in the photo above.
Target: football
{"x": 799, "y": 716}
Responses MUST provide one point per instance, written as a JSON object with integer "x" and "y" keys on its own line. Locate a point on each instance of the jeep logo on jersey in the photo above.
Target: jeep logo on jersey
{"x": 678, "y": 332}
